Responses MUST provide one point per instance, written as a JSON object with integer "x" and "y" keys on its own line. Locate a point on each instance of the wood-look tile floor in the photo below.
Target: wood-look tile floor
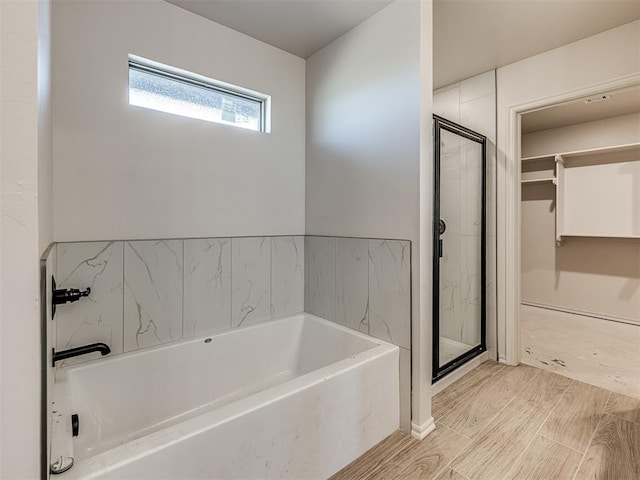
{"x": 508, "y": 423}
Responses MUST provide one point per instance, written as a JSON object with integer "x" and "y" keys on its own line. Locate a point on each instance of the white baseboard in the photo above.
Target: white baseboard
{"x": 502, "y": 359}
{"x": 421, "y": 431}
{"x": 585, "y": 313}
{"x": 458, "y": 373}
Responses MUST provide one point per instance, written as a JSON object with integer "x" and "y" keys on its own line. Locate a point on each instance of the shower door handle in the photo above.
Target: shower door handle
{"x": 440, "y": 248}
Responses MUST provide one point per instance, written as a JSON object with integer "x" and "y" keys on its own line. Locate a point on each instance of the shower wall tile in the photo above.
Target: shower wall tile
{"x": 153, "y": 276}
{"x": 352, "y": 283}
{"x": 480, "y": 114}
{"x": 450, "y": 194}
{"x": 207, "y": 286}
{"x": 446, "y": 103}
{"x": 287, "y": 275}
{"x": 491, "y": 201}
{"x": 470, "y": 262}
{"x": 250, "y": 280}
{"x": 492, "y": 307}
{"x": 450, "y": 286}
{"x": 320, "y": 278}
{"x": 390, "y": 291}
{"x": 147, "y": 293}
{"x": 469, "y": 202}
{"x": 478, "y": 86}
{"x": 471, "y": 294}
{"x": 98, "y": 317}
{"x": 477, "y": 110}
{"x": 450, "y": 146}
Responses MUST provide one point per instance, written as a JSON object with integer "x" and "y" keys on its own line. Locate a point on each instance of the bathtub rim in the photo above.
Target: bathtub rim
{"x": 61, "y": 372}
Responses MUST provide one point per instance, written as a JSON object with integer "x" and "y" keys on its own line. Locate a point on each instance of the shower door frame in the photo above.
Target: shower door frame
{"x": 440, "y": 123}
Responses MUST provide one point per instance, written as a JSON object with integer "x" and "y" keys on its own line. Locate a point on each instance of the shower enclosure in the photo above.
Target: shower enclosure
{"x": 459, "y": 235}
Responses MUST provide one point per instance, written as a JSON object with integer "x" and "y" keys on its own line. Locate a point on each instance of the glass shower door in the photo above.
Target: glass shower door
{"x": 459, "y": 271}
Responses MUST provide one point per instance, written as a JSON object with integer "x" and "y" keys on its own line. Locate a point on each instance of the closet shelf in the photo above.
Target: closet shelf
{"x": 589, "y": 151}
{"x": 539, "y": 180}
{"x": 595, "y": 235}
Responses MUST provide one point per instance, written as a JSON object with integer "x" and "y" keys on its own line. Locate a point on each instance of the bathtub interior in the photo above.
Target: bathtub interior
{"x": 132, "y": 395}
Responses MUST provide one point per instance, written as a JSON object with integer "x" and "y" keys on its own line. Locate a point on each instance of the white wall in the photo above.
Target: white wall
{"x": 24, "y": 187}
{"x": 583, "y": 67}
{"x": 620, "y": 130}
{"x": 363, "y": 129}
{"x": 365, "y": 100}
{"x": 600, "y": 276}
{"x": 124, "y": 172}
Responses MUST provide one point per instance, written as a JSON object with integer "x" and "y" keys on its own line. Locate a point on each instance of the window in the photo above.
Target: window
{"x": 167, "y": 89}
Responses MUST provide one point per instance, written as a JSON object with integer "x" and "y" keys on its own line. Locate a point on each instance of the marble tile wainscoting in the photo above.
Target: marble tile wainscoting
{"x": 364, "y": 284}
{"x": 151, "y": 292}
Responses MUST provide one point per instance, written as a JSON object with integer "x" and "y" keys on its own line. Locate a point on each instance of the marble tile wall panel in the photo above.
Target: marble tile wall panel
{"x": 147, "y": 293}
{"x": 153, "y": 276}
{"x": 451, "y": 286}
{"x": 479, "y": 115}
{"x": 250, "y": 280}
{"x": 287, "y": 275}
{"x": 475, "y": 105}
{"x": 478, "y": 86}
{"x": 352, "y": 283}
{"x": 471, "y": 294}
{"x": 390, "y": 291}
{"x": 320, "y": 279}
{"x": 450, "y": 148}
{"x": 207, "y": 286}
{"x": 450, "y": 195}
{"x": 98, "y": 317}
{"x": 446, "y": 103}
{"x": 470, "y": 201}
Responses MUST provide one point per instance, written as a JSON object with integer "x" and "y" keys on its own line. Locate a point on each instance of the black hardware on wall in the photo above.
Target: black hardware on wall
{"x": 102, "y": 348}
{"x": 75, "y": 424}
{"x": 65, "y": 295}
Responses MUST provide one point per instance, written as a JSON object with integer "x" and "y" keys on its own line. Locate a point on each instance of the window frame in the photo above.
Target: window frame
{"x": 144, "y": 65}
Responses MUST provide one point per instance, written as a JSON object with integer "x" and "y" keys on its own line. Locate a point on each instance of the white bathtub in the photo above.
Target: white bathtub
{"x": 295, "y": 398}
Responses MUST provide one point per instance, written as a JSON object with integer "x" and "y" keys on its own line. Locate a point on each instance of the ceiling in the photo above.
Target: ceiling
{"x": 469, "y": 36}
{"x": 475, "y": 36}
{"x": 301, "y": 27}
{"x": 621, "y": 102}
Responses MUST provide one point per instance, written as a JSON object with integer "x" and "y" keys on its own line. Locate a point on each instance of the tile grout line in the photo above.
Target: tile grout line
{"x": 368, "y": 287}
{"x": 476, "y": 388}
{"x": 524, "y": 450}
{"x": 560, "y": 443}
{"x": 586, "y": 450}
{"x": 448, "y": 465}
{"x": 458, "y": 455}
{"x": 463, "y": 476}
{"x": 335, "y": 280}
{"x": 384, "y": 461}
{"x": 453, "y": 429}
{"x": 182, "y": 330}
{"x": 124, "y": 244}
{"x": 230, "y": 319}
{"x": 271, "y": 310}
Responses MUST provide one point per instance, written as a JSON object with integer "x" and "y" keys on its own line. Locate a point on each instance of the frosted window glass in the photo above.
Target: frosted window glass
{"x": 150, "y": 90}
